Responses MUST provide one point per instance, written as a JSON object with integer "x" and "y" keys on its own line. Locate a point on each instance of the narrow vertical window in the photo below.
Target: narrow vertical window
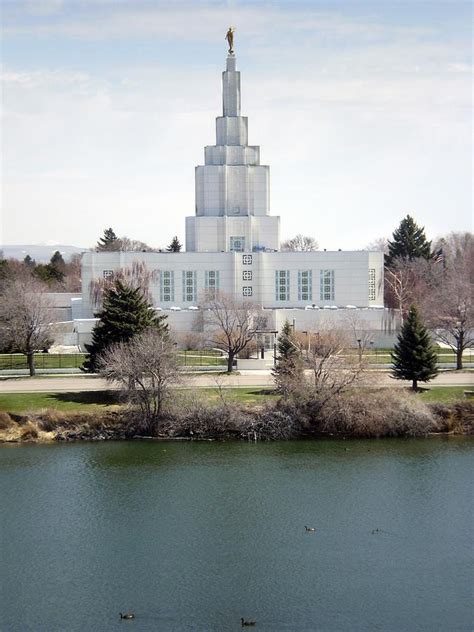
{"x": 371, "y": 284}
{"x": 167, "y": 286}
{"x": 305, "y": 285}
{"x": 189, "y": 286}
{"x": 212, "y": 282}
{"x": 282, "y": 285}
{"x": 326, "y": 285}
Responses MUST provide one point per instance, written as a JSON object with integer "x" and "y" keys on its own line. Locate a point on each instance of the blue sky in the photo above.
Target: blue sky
{"x": 362, "y": 110}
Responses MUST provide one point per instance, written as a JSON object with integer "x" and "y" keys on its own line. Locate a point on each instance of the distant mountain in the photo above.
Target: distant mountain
{"x": 39, "y": 252}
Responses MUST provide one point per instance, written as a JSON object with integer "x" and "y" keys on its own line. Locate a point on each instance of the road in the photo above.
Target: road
{"x": 246, "y": 378}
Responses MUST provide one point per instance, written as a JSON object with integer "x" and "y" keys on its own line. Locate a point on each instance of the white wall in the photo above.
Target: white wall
{"x": 376, "y": 325}
{"x": 351, "y": 273}
{"x": 212, "y": 234}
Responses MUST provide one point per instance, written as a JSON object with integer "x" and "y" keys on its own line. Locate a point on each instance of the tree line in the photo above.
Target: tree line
{"x": 436, "y": 280}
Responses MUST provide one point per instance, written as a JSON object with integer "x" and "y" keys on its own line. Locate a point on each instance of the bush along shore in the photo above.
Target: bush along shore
{"x": 356, "y": 413}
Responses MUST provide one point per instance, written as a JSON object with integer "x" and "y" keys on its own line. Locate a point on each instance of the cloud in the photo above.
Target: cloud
{"x": 361, "y": 121}
{"x": 200, "y": 21}
{"x": 42, "y": 7}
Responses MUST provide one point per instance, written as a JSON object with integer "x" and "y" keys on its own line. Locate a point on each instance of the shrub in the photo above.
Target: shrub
{"x": 457, "y": 417}
{"x": 376, "y": 414}
{"x": 198, "y": 419}
{"x": 5, "y": 421}
{"x": 29, "y": 431}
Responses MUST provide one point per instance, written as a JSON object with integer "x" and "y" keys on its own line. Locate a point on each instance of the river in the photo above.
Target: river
{"x": 192, "y": 536}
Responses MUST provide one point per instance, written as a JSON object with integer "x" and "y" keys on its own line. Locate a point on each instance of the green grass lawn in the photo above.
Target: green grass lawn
{"x": 29, "y": 402}
{"x": 244, "y": 395}
{"x": 91, "y": 400}
{"x": 443, "y": 393}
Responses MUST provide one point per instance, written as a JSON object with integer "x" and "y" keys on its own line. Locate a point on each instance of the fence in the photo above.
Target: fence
{"x": 42, "y": 361}
{"x": 12, "y": 361}
{"x": 201, "y": 358}
{"x": 383, "y": 356}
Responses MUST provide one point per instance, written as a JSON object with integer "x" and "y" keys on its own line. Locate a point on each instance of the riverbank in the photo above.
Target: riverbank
{"x": 251, "y": 415}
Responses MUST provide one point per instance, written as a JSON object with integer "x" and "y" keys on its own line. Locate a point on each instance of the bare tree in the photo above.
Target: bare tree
{"x": 359, "y": 337}
{"x": 136, "y": 275}
{"x": 399, "y": 283}
{"x": 406, "y": 281}
{"x": 145, "y": 367}
{"x": 454, "y": 248}
{"x": 299, "y": 243}
{"x": 378, "y": 245}
{"x": 25, "y": 315}
{"x": 72, "y": 282}
{"x": 231, "y": 324}
{"x": 333, "y": 369}
{"x": 190, "y": 341}
{"x": 111, "y": 243}
{"x": 448, "y": 306}
{"x": 133, "y": 245}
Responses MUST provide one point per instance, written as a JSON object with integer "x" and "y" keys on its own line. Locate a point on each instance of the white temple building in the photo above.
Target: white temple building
{"x": 232, "y": 245}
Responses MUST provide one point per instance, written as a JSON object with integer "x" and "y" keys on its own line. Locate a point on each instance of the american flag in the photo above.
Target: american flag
{"x": 438, "y": 256}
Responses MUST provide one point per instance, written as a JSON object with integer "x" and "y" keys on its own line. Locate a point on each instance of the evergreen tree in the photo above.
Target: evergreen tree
{"x": 3, "y": 268}
{"x": 409, "y": 242}
{"x": 109, "y": 241}
{"x": 288, "y": 369}
{"x": 414, "y": 357}
{"x": 57, "y": 267}
{"x": 54, "y": 271}
{"x": 29, "y": 262}
{"x": 175, "y": 245}
{"x": 57, "y": 260}
{"x": 125, "y": 313}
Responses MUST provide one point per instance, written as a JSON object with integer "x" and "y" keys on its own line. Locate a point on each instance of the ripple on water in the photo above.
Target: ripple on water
{"x": 192, "y": 536}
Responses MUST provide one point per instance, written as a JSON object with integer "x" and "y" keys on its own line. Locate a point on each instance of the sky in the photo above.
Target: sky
{"x": 363, "y": 110}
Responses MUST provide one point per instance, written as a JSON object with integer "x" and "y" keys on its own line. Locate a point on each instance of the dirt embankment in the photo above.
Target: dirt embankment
{"x": 374, "y": 415}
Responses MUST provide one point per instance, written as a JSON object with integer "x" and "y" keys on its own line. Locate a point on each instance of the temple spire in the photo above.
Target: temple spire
{"x": 231, "y": 88}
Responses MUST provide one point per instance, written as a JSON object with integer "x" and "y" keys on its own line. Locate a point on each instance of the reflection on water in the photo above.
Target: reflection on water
{"x": 192, "y": 536}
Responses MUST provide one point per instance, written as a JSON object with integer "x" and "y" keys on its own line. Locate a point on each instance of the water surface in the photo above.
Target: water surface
{"x": 192, "y": 536}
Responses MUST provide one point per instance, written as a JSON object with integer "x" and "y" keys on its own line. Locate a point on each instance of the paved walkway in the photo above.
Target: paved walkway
{"x": 246, "y": 378}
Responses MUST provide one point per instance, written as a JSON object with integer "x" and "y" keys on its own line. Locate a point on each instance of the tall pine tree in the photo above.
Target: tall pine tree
{"x": 414, "y": 357}
{"x": 57, "y": 266}
{"x": 125, "y": 313}
{"x": 408, "y": 242}
{"x": 288, "y": 369}
{"x": 52, "y": 272}
{"x": 109, "y": 241}
{"x": 175, "y": 245}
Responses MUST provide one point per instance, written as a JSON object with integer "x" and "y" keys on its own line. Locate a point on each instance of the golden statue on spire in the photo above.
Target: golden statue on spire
{"x": 230, "y": 38}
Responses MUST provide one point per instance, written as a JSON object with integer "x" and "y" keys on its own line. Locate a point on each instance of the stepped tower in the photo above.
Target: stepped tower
{"x": 232, "y": 187}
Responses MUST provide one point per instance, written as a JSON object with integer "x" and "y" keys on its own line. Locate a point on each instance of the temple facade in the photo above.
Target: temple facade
{"x": 232, "y": 244}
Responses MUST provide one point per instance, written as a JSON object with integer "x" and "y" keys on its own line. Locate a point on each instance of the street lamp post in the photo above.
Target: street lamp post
{"x": 308, "y": 341}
